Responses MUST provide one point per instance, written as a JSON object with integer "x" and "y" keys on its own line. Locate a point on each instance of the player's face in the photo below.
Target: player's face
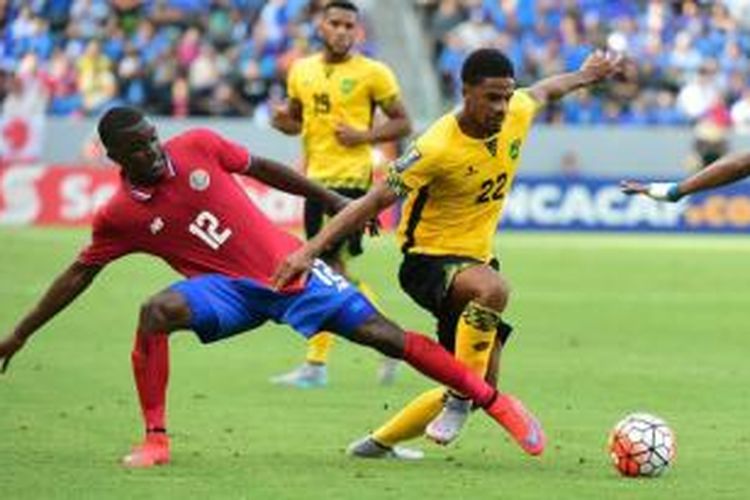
{"x": 138, "y": 151}
{"x": 338, "y": 30}
{"x": 487, "y": 102}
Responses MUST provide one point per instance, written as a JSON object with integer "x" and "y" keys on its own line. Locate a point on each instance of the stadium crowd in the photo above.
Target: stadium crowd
{"x": 169, "y": 57}
{"x": 229, "y": 57}
{"x": 692, "y": 55}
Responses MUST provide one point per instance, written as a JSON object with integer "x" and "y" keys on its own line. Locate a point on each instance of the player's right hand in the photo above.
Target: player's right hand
{"x": 9, "y": 346}
{"x": 633, "y": 187}
{"x": 279, "y": 112}
{"x": 373, "y": 227}
{"x": 602, "y": 64}
{"x": 296, "y": 264}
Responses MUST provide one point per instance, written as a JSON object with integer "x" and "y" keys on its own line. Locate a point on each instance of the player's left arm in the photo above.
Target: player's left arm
{"x": 287, "y": 179}
{"x": 384, "y": 94}
{"x": 352, "y": 218}
{"x": 597, "y": 67}
{"x": 61, "y": 292}
{"x": 396, "y": 126}
{"x": 415, "y": 169}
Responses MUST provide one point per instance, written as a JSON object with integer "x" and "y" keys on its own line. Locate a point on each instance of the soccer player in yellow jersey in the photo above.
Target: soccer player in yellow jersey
{"x": 332, "y": 99}
{"x": 454, "y": 180}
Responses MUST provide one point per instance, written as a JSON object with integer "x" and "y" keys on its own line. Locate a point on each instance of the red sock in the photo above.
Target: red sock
{"x": 433, "y": 360}
{"x": 150, "y": 358}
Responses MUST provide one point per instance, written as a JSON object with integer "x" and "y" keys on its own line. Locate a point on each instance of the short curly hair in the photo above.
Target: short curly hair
{"x": 341, "y": 4}
{"x": 486, "y": 63}
{"x": 116, "y": 119}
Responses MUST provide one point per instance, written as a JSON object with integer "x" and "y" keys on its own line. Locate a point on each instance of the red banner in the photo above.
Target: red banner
{"x": 69, "y": 196}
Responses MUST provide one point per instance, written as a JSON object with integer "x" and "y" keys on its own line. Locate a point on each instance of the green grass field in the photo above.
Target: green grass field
{"x": 605, "y": 325}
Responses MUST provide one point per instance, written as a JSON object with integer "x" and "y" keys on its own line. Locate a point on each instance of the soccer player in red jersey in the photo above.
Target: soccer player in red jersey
{"x": 179, "y": 201}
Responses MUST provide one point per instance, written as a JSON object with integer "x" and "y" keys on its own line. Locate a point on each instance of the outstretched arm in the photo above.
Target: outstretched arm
{"x": 286, "y": 179}
{"x": 64, "y": 290}
{"x": 396, "y": 126}
{"x": 598, "y": 66}
{"x": 350, "y": 219}
{"x": 725, "y": 170}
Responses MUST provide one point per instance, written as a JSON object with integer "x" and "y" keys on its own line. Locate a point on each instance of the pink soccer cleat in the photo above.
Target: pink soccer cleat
{"x": 153, "y": 451}
{"x": 519, "y": 422}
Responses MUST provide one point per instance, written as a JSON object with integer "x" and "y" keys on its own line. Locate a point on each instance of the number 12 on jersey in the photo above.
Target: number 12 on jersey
{"x": 206, "y": 227}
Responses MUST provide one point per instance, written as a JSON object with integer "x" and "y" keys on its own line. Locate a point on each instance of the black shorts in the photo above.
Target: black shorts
{"x": 427, "y": 280}
{"x": 315, "y": 213}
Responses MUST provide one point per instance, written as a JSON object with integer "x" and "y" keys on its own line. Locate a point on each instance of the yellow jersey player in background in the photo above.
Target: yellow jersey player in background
{"x": 455, "y": 179}
{"x": 332, "y": 99}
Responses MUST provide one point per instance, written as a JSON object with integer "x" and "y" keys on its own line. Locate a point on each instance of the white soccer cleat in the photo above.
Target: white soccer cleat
{"x": 446, "y": 427}
{"x": 306, "y": 376}
{"x": 367, "y": 447}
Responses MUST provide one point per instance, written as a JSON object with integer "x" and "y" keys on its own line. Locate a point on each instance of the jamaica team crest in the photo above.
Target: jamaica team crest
{"x": 347, "y": 85}
{"x": 515, "y": 149}
{"x": 410, "y": 157}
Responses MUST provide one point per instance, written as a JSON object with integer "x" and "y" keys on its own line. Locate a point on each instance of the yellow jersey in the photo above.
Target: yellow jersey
{"x": 455, "y": 186}
{"x": 345, "y": 92}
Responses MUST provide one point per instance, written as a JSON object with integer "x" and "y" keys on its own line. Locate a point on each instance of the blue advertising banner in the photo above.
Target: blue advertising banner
{"x": 596, "y": 204}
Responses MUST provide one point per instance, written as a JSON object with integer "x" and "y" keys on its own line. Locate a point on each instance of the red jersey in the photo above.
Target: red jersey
{"x": 197, "y": 218}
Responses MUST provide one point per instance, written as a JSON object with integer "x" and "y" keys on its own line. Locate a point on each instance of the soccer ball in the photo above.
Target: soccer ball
{"x": 641, "y": 445}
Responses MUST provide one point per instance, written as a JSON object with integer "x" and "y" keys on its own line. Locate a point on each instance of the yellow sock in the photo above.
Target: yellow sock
{"x": 411, "y": 421}
{"x": 318, "y": 348}
{"x": 475, "y": 336}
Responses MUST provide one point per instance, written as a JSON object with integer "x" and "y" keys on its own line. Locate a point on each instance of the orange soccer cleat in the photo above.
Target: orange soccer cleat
{"x": 153, "y": 451}
{"x": 519, "y": 422}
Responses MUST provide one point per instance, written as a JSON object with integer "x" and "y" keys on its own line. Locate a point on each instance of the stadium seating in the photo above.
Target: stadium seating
{"x": 692, "y": 55}
{"x": 229, "y": 57}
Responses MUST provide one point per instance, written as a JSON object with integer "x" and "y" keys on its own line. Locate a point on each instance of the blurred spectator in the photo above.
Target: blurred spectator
{"x": 96, "y": 80}
{"x": 26, "y": 96}
{"x": 22, "y": 116}
{"x": 665, "y": 111}
{"x": 203, "y": 73}
{"x": 709, "y": 144}
{"x": 690, "y": 54}
{"x": 180, "y": 97}
{"x": 226, "y": 57}
{"x": 700, "y": 93}
{"x": 740, "y": 113}
{"x": 63, "y": 85}
{"x": 570, "y": 164}
{"x": 87, "y": 18}
{"x": 176, "y": 57}
{"x": 448, "y": 16}
{"x": 131, "y": 77}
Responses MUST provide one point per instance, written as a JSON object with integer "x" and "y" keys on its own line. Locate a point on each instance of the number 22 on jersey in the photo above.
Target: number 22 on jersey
{"x": 493, "y": 189}
{"x": 207, "y": 227}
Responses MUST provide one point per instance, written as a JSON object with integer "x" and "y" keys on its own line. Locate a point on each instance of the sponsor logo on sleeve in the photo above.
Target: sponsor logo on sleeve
{"x": 409, "y": 158}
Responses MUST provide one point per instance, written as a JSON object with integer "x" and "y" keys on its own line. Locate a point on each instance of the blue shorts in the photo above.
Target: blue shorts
{"x": 221, "y": 306}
